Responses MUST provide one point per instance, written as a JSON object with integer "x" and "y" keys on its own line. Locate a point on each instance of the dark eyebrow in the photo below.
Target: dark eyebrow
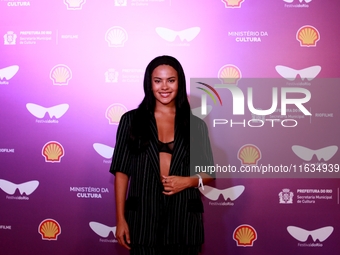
{"x": 172, "y": 77}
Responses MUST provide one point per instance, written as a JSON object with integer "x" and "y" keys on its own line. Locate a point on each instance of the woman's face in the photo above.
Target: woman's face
{"x": 164, "y": 80}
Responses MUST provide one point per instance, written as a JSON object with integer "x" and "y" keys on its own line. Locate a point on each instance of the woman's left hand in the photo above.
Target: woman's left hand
{"x": 174, "y": 184}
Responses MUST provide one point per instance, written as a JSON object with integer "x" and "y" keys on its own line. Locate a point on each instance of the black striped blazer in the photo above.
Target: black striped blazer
{"x": 153, "y": 217}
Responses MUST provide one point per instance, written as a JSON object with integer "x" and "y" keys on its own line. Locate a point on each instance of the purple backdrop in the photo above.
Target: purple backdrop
{"x": 70, "y": 68}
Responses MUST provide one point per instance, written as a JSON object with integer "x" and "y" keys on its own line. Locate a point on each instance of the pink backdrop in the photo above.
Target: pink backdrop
{"x": 70, "y": 68}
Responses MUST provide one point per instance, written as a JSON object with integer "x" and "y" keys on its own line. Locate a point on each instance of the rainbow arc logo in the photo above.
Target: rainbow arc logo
{"x": 210, "y": 91}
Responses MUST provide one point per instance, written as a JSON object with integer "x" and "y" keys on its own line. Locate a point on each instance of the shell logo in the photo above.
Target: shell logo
{"x": 116, "y": 36}
{"x": 74, "y": 4}
{"x": 53, "y": 152}
{"x": 60, "y": 75}
{"x": 229, "y": 74}
{"x": 245, "y": 235}
{"x": 249, "y": 154}
{"x": 114, "y": 112}
{"x": 49, "y": 229}
{"x": 232, "y": 3}
{"x": 308, "y": 36}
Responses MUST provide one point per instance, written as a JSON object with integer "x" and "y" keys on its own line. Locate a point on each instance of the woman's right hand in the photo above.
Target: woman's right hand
{"x": 122, "y": 234}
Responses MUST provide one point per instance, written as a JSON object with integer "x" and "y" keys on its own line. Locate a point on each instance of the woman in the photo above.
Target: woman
{"x": 163, "y": 211}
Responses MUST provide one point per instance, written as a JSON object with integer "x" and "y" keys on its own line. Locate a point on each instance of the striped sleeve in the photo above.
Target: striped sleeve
{"x": 121, "y": 155}
{"x": 207, "y": 152}
{"x": 201, "y": 156}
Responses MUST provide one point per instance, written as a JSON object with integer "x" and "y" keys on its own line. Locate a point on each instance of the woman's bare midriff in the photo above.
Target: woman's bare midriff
{"x": 164, "y": 163}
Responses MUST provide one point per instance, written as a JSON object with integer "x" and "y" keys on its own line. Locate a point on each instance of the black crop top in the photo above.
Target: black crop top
{"x": 166, "y": 147}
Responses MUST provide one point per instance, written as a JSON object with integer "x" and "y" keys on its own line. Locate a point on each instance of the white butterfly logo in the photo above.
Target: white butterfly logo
{"x": 103, "y": 150}
{"x": 307, "y": 154}
{"x": 101, "y": 229}
{"x": 301, "y": 234}
{"x": 40, "y": 111}
{"x": 232, "y": 193}
{"x": 8, "y": 72}
{"x": 290, "y": 74}
{"x": 27, "y": 187}
{"x": 170, "y": 35}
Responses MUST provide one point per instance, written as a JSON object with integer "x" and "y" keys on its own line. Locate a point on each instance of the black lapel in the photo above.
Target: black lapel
{"x": 152, "y": 150}
{"x": 180, "y": 149}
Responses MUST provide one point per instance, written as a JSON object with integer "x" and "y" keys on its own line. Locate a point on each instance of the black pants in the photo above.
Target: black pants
{"x": 166, "y": 250}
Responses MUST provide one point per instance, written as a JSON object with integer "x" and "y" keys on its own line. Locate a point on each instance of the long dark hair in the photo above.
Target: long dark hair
{"x": 140, "y": 132}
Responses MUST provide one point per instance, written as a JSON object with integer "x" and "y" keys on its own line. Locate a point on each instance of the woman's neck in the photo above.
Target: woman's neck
{"x": 167, "y": 109}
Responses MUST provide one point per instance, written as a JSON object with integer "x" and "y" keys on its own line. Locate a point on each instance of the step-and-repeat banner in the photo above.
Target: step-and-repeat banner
{"x": 261, "y": 74}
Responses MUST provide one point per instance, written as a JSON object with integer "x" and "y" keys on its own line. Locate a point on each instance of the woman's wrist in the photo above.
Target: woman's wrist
{"x": 120, "y": 217}
{"x": 193, "y": 181}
